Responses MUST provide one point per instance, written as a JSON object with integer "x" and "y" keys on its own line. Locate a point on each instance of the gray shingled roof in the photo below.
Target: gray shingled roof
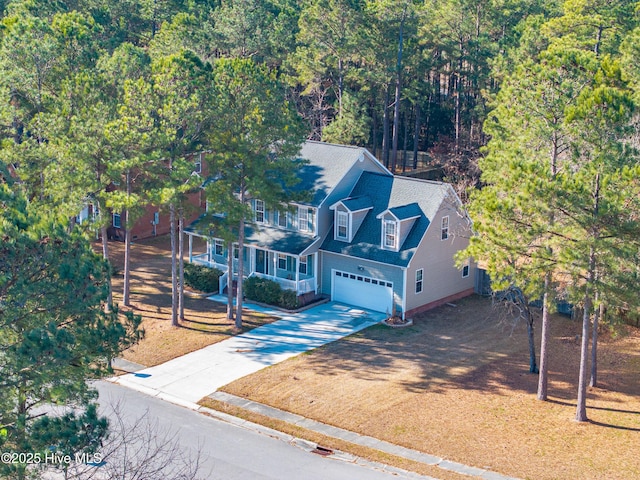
{"x": 406, "y": 211}
{"x": 328, "y": 164}
{"x": 270, "y": 238}
{"x": 355, "y": 204}
{"x": 401, "y": 194}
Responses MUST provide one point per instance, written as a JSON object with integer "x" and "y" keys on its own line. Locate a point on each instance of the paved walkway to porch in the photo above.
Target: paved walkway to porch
{"x": 191, "y": 377}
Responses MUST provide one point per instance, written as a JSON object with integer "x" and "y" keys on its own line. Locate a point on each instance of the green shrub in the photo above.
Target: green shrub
{"x": 289, "y": 300}
{"x": 270, "y": 292}
{"x": 203, "y": 279}
{"x": 262, "y": 290}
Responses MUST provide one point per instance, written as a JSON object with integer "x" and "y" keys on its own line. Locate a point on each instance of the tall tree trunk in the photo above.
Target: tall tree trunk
{"x": 385, "y": 129}
{"x": 544, "y": 340}
{"x": 240, "y": 275}
{"x": 544, "y": 335}
{"x": 240, "y": 256}
{"x": 230, "y": 281}
{"x": 596, "y": 47}
{"x": 427, "y": 119}
{"x": 174, "y": 272}
{"x": 597, "y": 316}
{"x": 127, "y": 247}
{"x": 533, "y": 367}
{"x": 404, "y": 141}
{"x": 340, "y": 85}
{"x": 105, "y": 254}
{"x": 374, "y": 127}
{"x": 581, "y": 410}
{"x": 396, "y": 106}
{"x": 181, "y": 264}
{"x": 593, "y": 378}
{"x": 416, "y": 135}
{"x": 457, "y": 107}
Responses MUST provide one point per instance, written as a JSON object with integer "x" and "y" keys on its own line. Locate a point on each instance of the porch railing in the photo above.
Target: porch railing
{"x": 300, "y": 287}
{"x": 223, "y": 281}
{"x": 203, "y": 259}
{"x": 306, "y": 285}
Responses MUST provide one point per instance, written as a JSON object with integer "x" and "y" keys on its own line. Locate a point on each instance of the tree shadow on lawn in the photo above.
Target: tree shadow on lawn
{"x": 467, "y": 347}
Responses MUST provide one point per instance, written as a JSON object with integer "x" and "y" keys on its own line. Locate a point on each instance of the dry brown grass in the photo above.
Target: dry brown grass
{"x": 332, "y": 443}
{"x": 205, "y": 321}
{"x": 456, "y": 385}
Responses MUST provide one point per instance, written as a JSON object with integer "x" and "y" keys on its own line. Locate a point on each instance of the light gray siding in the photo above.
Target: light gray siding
{"x": 329, "y": 261}
{"x": 435, "y": 256}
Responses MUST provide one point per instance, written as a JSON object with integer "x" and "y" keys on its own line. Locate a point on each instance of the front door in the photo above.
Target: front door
{"x": 261, "y": 261}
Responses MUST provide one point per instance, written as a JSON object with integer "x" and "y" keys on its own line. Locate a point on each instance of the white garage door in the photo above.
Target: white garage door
{"x": 365, "y": 292}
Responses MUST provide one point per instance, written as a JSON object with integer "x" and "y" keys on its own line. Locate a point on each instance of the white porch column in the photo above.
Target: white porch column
{"x": 190, "y": 248}
{"x": 296, "y": 265}
{"x": 315, "y": 270}
{"x": 275, "y": 264}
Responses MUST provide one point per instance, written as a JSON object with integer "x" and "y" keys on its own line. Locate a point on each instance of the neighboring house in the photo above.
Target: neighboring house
{"x": 155, "y": 221}
{"x": 366, "y": 237}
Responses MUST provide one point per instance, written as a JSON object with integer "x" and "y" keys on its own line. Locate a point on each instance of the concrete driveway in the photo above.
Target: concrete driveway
{"x": 187, "y": 379}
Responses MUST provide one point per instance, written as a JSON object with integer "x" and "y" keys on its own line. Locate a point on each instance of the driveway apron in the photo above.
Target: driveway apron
{"x": 198, "y": 374}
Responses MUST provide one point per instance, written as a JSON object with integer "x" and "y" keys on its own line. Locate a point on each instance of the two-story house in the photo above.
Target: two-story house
{"x": 366, "y": 237}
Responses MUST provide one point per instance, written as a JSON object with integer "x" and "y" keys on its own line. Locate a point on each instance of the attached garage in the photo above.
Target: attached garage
{"x": 361, "y": 291}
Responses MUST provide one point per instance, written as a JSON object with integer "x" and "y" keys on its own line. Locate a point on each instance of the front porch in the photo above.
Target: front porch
{"x": 292, "y": 272}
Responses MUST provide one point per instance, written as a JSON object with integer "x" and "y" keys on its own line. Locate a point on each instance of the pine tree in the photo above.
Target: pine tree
{"x": 256, "y": 143}
{"x": 54, "y": 335}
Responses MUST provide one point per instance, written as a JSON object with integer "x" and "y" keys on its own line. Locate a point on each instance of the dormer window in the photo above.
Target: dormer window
{"x": 390, "y": 234}
{"x": 303, "y": 219}
{"x": 259, "y": 214}
{"x": 350, "y": 213}
{"x": 396, "y": 224}
{"x": 342, "y": 223}
{"x": 282, "y": 219}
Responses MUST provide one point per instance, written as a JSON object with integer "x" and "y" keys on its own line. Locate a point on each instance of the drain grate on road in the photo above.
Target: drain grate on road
{"x": 324, "y": 451}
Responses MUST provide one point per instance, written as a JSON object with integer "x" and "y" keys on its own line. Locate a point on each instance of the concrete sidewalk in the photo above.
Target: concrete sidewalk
{"x": 191, "y": 377}
{"x": 356, "y": 438}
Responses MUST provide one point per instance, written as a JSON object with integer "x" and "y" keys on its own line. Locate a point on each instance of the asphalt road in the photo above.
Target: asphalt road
{"x": 229, "y": 452}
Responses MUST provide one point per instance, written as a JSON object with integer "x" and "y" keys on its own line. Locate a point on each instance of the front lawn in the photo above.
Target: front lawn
{"x": 456, "y": 385}
{"x": 205, "y": 321}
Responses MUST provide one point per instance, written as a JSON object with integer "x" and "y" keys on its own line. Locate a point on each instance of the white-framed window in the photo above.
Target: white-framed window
{"x": 116, "y": 221}
{"x": 312, "y": 220}
{"x": 390, "y": 236}
{"x": 465, "y": 271}
{"x": 235, "y": 251}
{"x": 259, "y": 216}
{"x": 282, "y": 219}
{"x": 302, "y": 266}
{"x": 197, "y": 164}
{"x": 419, "y": 275}
{"x": 303, "y": 219}
{"x": 282, "y": 261}
{"x": 342, "y": 224}
{"x": 156, "y": 218}
{"x": 218, "y": 247}
{"x": 444, "y": 229}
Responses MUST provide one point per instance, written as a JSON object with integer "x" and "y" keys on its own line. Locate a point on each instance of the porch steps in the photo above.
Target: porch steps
{"x": 234, "y": 286}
